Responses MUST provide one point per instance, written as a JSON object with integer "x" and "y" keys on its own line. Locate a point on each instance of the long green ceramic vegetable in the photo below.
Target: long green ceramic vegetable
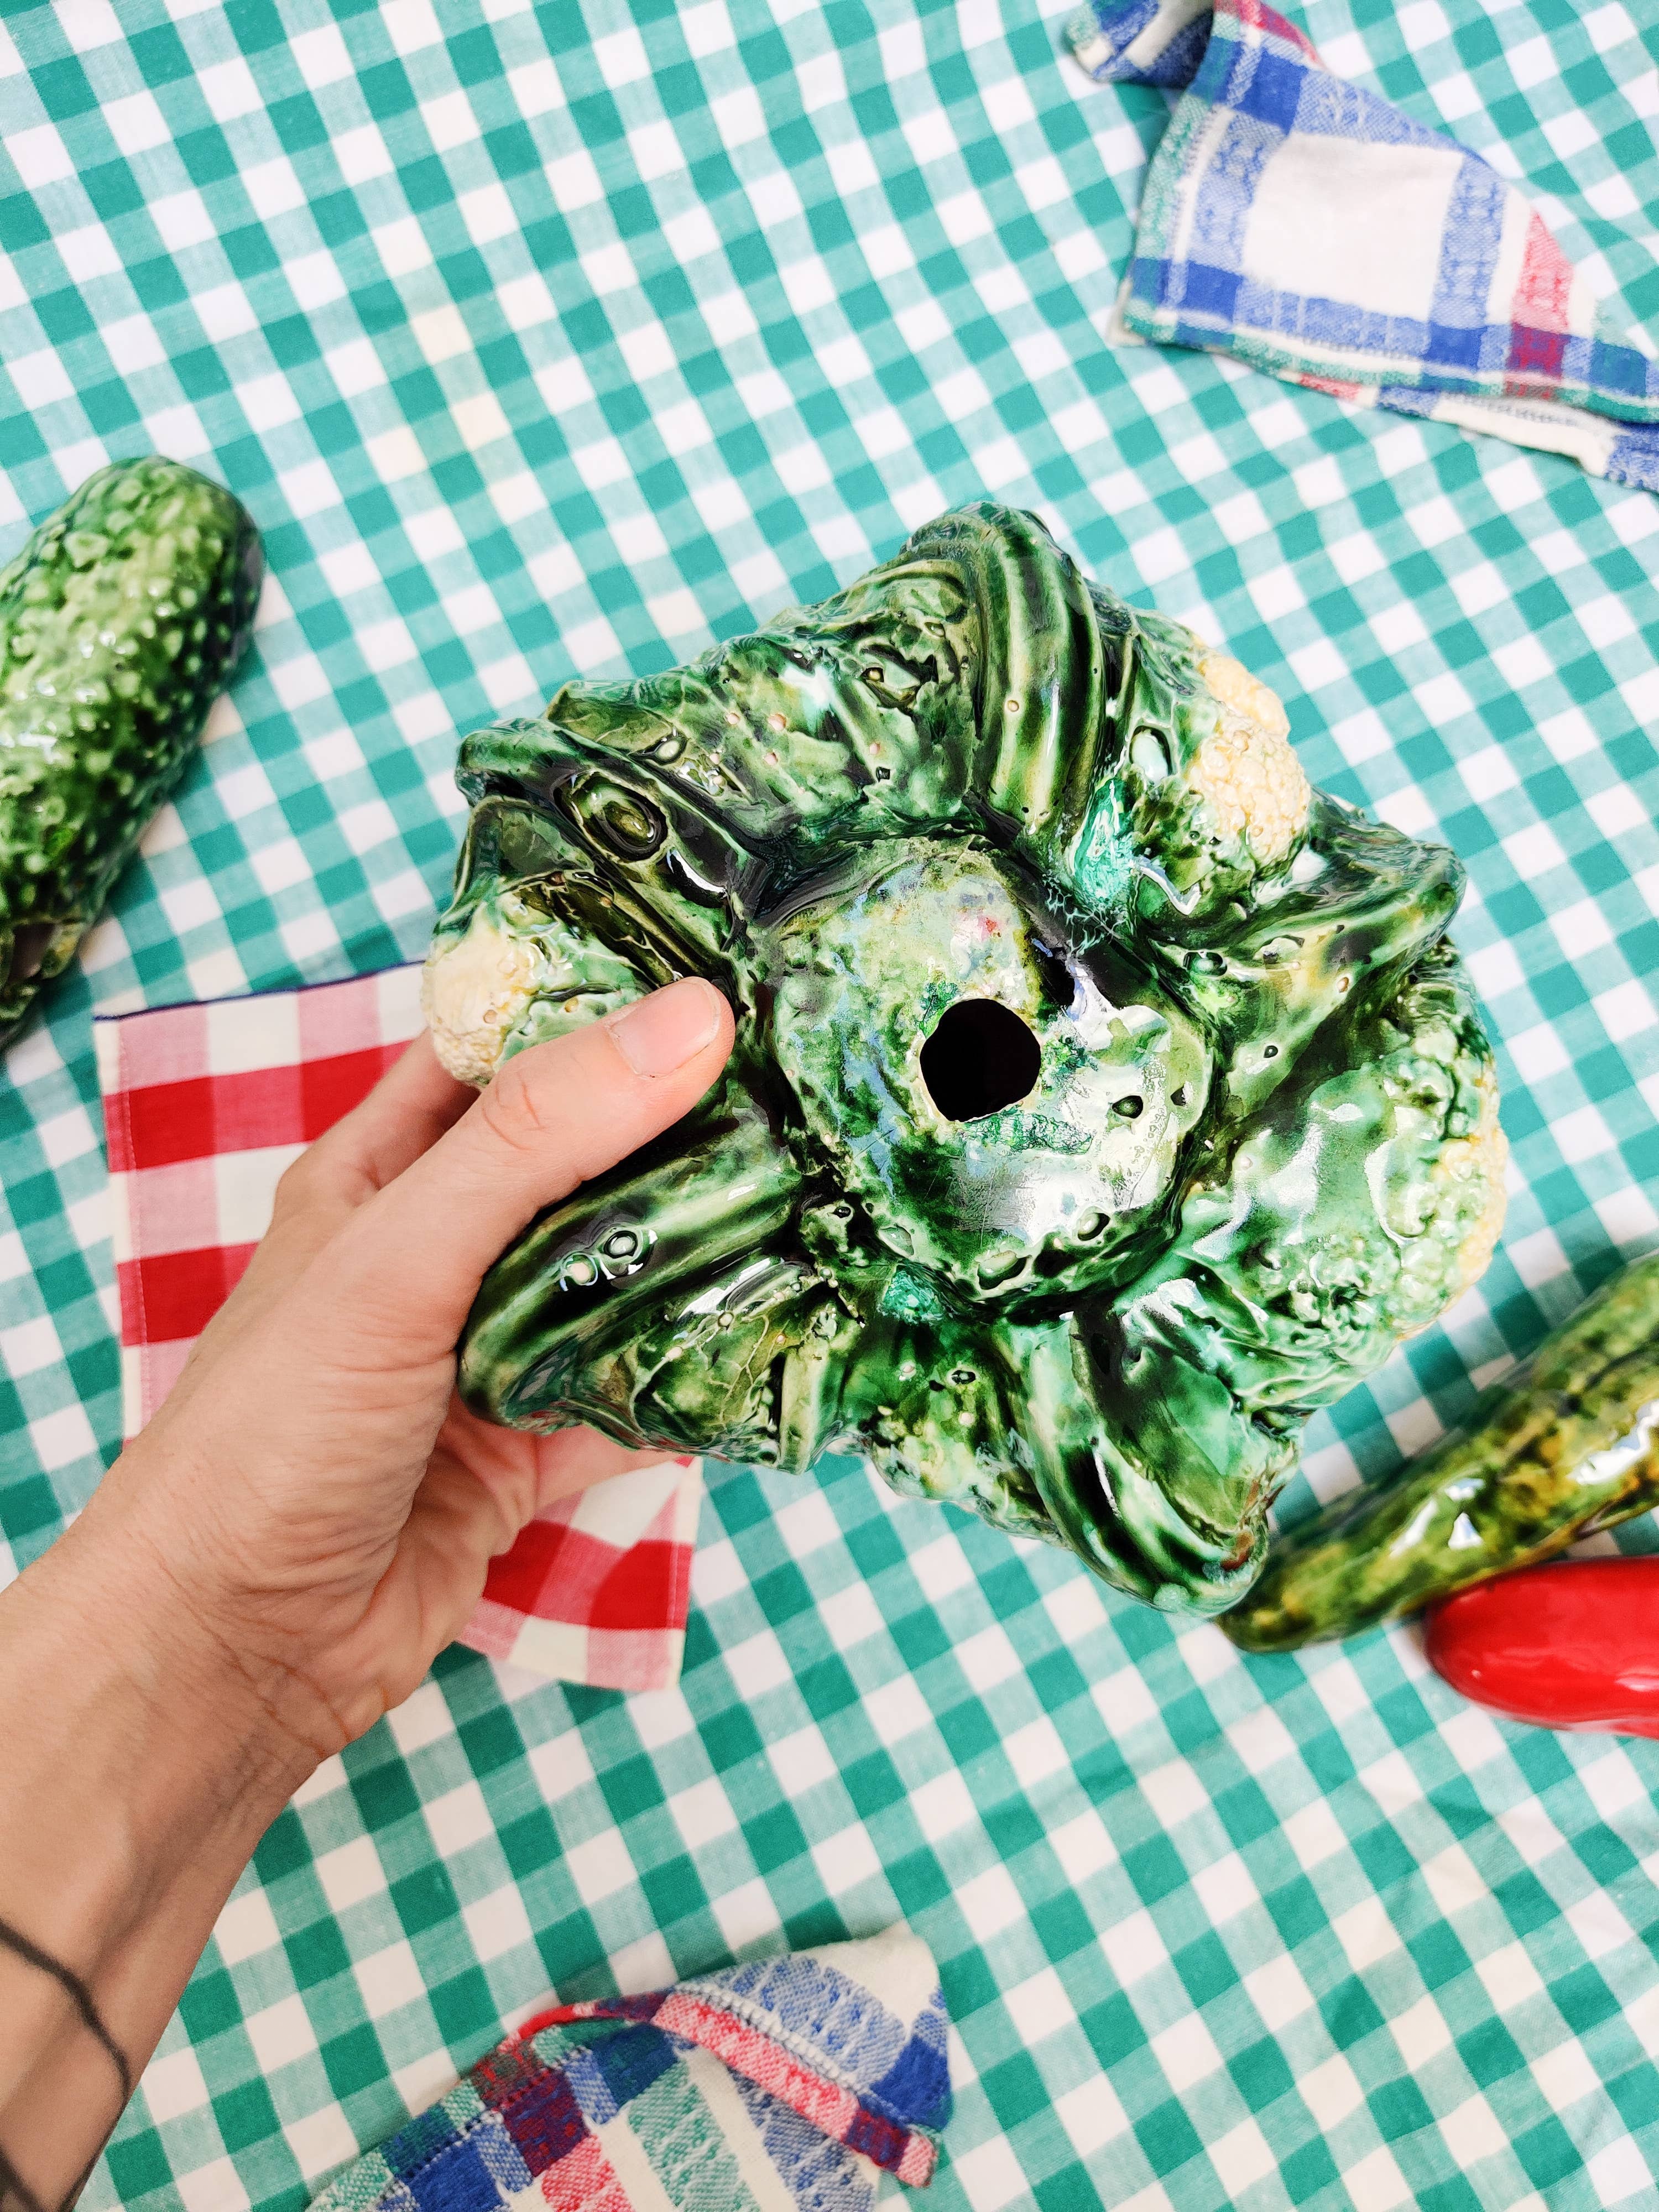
{"x": 120, "y": 622}
{"x": 1103, "y": 1097}
{"x": 1567, "y": 1443}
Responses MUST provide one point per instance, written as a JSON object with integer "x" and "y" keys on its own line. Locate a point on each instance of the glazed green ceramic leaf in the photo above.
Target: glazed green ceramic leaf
{"x": 1104, "y": 1101}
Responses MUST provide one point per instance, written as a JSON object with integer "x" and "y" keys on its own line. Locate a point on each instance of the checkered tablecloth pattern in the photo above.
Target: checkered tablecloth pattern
{"x": 567, "y": 338}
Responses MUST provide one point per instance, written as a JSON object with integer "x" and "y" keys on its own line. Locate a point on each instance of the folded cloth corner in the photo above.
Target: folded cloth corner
{"x": 204, "y": 1107}
{"x": 1313, "y": 229}
{"x": 776, "y": 2084}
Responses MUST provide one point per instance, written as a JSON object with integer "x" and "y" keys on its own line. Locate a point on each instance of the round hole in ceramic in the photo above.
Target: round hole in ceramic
{"x": 980, "y": 1058}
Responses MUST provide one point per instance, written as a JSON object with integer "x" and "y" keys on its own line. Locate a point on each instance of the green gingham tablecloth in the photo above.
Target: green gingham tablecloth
{"x": 557, "y": 339}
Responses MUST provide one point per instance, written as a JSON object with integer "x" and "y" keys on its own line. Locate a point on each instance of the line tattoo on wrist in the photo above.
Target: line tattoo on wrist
{"x": 77, "y": 1993}
{"x": 15, "y": 2194}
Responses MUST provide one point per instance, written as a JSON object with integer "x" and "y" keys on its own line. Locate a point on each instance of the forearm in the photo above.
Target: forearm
{"x": 273, "y": 1564}
{"x": 139, "y": 1772}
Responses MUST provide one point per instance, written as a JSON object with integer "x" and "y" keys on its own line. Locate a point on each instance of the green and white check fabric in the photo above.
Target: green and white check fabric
{"x": 567, "y": 338}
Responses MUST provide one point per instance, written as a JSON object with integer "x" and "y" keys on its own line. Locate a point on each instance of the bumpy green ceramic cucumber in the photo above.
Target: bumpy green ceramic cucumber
{"x": 1104, "y": 1099}
{"x": 1568, "y": 1443}
{"x": 120, "y": 622}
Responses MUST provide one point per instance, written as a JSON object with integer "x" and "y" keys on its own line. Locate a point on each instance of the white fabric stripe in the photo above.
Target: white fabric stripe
{"x": 688, "y": 1505}
{"x": 190, "y": 1204}
{"x": 246, "y": 1186}
{"x": 247, "y": 1036}
{"x": 719, "y": 2092}
{"x": 633, "y": 2169}
{"x": 1171, "y": 20}
{"x": 1357, "y": 223}
{"x": 1582, "y": 306}
{"x": 1506, "y": 262}
{"x": 558, "y": 1648}
{"x": 896, "y": 1967}
{"x": 1216, "y": 125}
{"x": 621, "y": 1510}
{"x": 398, "y": 996}
{"x": 1547, "y": 425}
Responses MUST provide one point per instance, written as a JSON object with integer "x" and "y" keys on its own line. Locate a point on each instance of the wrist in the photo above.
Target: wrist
{"x": 139, "y": 1774}
{"x": 202, "y": 1731}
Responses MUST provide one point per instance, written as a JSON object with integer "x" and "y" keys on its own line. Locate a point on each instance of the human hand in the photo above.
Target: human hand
{"x": 321, "y": 1505}
{"x": 276, "y": 1561}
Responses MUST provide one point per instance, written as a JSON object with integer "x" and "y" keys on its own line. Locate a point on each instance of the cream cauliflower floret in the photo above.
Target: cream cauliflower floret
{"x": 1246, "y": 769}
{"x": 517, "y": 975}
{"x": 1481, "y": 1158}
{"x": 1447, "y": 1215}
{"x": 1247, "y": 696}
{"x": 474, "y": 989}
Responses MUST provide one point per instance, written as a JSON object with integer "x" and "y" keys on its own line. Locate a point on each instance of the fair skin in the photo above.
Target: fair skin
{"x": 274, "y": 1562}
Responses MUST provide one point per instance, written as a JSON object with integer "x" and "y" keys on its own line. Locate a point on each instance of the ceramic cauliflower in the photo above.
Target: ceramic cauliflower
{"x": 1104, "y": 1098}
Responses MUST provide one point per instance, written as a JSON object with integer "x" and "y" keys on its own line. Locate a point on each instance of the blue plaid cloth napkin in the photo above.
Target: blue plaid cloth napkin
{"x": 1309, "y": 228}
{"x": 784, "y": 2085}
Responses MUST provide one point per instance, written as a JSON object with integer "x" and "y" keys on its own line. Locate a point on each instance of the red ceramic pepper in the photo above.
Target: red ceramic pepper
{"x": 1570, "y": 1646}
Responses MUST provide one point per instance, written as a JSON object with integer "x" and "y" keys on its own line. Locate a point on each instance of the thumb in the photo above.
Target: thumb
{"x": 405, "y": 1270}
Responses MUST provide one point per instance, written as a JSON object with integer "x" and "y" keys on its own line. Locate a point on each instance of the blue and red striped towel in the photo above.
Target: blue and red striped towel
{"x": 1316, "y": 231}
{"x": 776, "y": 2086}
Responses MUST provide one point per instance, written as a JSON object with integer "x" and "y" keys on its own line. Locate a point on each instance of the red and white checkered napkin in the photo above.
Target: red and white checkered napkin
{"x": 204, "y": 1107}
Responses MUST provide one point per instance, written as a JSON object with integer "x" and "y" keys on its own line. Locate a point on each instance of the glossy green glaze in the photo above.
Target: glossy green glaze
{"x": 120, "y": 622}
{"x": 1566, "y": 1445}
{"x": 1259, "y": 1142}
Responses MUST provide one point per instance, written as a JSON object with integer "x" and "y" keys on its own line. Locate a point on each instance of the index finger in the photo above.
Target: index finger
{"x": 412, "y": 1105}
{"x": 406, "y": 1267}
